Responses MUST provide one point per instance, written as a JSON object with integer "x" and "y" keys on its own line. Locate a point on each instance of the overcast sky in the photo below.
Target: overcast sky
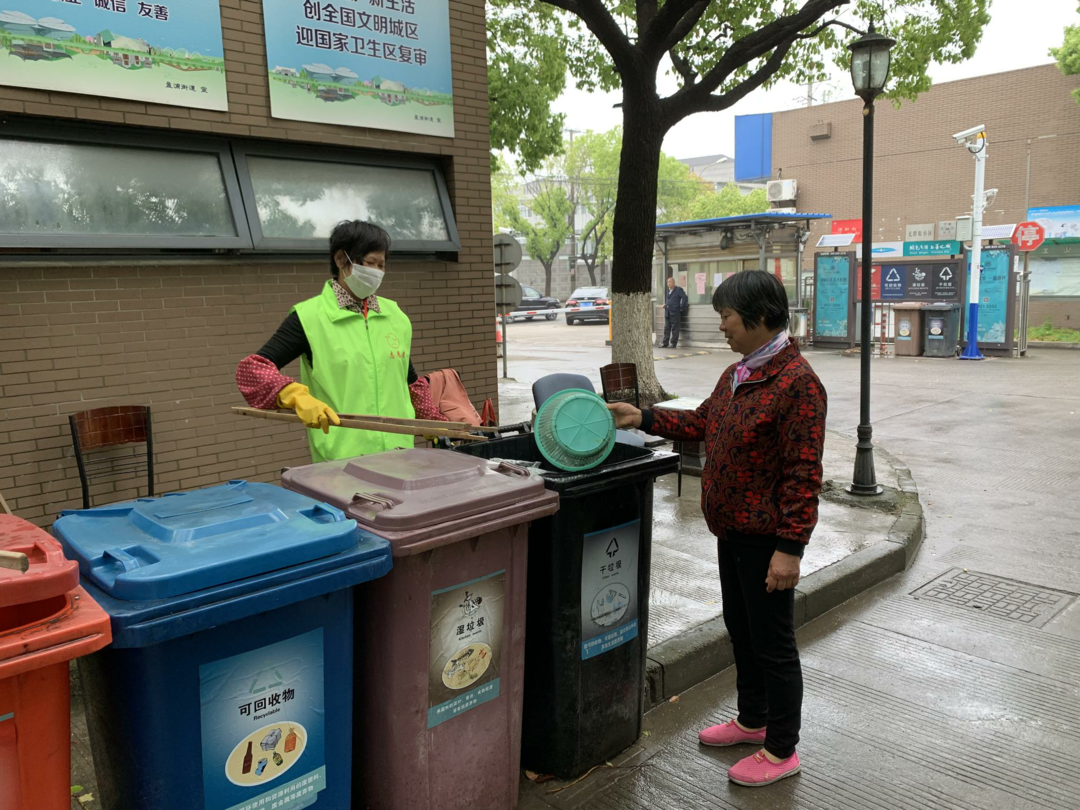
{"x": 1019, "y": 35}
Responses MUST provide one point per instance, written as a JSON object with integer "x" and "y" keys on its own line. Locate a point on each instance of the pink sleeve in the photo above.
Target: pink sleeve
{"x": 423, "y": 404}
{"x": 259, "y": 381}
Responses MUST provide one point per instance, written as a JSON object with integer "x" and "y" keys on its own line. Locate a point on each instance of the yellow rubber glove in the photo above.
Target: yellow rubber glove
{"x": 312, "y": 412}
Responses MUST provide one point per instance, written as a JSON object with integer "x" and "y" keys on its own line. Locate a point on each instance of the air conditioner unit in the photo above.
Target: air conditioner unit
{"x": 782, "y": 190}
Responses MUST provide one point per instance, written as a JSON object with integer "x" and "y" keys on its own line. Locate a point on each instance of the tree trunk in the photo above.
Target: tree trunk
{"x": 547, "y": 278}
{"x": 591, "y": 267}
{"x": 633, "y": 233}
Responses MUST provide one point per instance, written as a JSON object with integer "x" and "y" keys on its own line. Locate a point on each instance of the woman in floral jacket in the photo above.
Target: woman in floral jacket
{"x": 763, "y": 428}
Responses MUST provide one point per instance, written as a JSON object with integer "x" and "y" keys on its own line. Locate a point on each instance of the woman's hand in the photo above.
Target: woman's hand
{"x": 783, "y": 572}
{"x": 626, "y": 415}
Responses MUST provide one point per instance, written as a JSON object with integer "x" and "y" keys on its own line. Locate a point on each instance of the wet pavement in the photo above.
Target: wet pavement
{"x": 953, "y": 685}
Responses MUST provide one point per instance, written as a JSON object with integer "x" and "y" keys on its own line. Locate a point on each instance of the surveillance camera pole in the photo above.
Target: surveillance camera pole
{"x": 971, "y": 352}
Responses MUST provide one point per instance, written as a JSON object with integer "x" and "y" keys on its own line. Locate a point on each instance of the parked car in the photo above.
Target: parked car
{"x": 588, "y": 304}
{"x": 533, "y": 303}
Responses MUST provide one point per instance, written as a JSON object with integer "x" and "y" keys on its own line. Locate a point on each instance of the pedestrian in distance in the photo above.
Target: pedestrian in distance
{"x": 764, "y": 427}
{"x": 676, "y": 305}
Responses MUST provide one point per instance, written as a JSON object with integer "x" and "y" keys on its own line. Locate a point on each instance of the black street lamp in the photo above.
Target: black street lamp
{"x": 870, "y": 58}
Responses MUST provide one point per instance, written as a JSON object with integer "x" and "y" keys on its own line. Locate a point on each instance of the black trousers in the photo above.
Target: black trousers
{"x": 672, "y": 327}
{"x": 762, "y": 629}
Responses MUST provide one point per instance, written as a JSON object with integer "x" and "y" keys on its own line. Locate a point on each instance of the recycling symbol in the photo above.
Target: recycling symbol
{"x": 894, "y": 275}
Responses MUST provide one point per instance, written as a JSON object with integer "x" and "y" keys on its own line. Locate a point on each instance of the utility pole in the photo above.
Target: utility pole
{"x": 975, "y": 141}
{"x": 572, "y": 258}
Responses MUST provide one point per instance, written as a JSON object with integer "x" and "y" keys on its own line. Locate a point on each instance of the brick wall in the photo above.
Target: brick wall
{"x": 83, "y": 334}
{"x": 920, "y": 174}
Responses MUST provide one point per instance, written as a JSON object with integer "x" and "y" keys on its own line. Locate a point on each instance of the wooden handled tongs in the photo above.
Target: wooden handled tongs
{"x": 383, "y": 424}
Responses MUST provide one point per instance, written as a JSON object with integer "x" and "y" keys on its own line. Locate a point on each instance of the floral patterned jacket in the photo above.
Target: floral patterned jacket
{"x": 763, "y": 446}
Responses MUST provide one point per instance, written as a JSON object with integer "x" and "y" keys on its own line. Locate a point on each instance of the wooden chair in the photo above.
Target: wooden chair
{"x": 96, "y": 433}
{"x": 620, "y": 383}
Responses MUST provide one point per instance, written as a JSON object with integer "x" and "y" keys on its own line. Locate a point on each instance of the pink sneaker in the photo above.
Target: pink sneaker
{"x": 730, "y": 734}
{"x": 757, "y": 770}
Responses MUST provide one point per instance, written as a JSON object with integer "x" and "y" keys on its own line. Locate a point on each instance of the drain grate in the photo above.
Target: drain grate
{"x": 1005, "y": 598}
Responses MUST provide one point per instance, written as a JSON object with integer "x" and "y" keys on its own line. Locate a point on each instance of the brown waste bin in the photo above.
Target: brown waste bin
{"x": 439, "y": 678}
{"x": 909, "y": 331}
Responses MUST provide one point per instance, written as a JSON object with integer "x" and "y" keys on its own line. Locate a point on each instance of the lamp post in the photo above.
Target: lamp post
{"x": 870, "y": 58}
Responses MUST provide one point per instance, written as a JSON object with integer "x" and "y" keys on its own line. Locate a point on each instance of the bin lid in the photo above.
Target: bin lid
{"x": 154, "y": 548}
{"x": 49, "y": 573}
{"x": 411, "y": 490}
{"x": 52, "y": 631}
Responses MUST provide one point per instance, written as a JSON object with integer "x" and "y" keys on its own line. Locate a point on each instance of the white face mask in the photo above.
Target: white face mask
{"x": 363, "y": 281}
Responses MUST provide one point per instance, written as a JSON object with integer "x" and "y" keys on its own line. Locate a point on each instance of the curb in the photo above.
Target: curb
{"x": 675, "y": 665}
{"x": 1051, "y": 344}
{"x": 701, "y": 353}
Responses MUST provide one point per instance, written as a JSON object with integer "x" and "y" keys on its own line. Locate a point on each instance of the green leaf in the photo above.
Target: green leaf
{"x": 75, "y": 789}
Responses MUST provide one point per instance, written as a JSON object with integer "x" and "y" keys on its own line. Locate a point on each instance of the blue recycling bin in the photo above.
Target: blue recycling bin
{"x": 229, "y": 682}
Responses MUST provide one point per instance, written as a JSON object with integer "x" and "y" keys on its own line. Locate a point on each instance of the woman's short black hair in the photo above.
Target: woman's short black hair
{"x": 357, "y": 239}
{"x": 756, "y": 296}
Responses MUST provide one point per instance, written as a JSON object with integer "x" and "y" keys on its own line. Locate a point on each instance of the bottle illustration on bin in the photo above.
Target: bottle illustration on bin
{"x": 248, "y": 757}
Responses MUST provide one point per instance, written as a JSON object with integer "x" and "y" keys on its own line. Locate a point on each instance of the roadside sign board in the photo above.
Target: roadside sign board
{"x": 919, "y": 233}
{"x": 852, "y": 226}
{"x": 933, "y": 247}
{"x": 507, "y": 294}
{"x": 944, "y": 284}
{"x": 1029, "y": 236}
{"x": 918, "y": 282}
{"x": 893, "y": 282}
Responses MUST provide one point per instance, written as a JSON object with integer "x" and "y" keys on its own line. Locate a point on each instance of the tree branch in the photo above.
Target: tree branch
{"x": 823, "y": 26}
{"x": 646, "y": 13}
{"x": 761, "y": 75}
{"x": 753, "y": 46}
{"x": 684, "y": 25}
{"x": 683, "y": 67}
{"x": 603, "y": 26}
{"x": 658, "y": 36}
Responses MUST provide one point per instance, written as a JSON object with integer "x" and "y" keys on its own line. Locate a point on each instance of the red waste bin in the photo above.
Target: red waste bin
{"x": 440, "y": 675}
{"x": 46, "y": 620}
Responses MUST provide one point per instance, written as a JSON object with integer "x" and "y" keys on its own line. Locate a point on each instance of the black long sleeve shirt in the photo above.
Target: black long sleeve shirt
{"x": 290, "y": 341}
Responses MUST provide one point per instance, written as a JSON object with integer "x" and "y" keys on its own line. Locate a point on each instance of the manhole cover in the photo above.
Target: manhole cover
{"x": 996, "y": 596}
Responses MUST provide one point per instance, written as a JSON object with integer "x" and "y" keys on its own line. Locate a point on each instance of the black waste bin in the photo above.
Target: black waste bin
{"x": 587, "y": 617}
{"x": 941, "y": 330}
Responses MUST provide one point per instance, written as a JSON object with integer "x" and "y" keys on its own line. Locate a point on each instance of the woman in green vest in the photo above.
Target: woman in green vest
{"x": 354, "y": 349}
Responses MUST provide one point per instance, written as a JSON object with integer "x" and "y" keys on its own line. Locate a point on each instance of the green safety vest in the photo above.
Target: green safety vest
{"x": 361, "y": 366}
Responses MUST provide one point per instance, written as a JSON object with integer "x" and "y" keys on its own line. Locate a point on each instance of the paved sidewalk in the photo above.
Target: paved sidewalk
{"x": 953, "y": 685}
